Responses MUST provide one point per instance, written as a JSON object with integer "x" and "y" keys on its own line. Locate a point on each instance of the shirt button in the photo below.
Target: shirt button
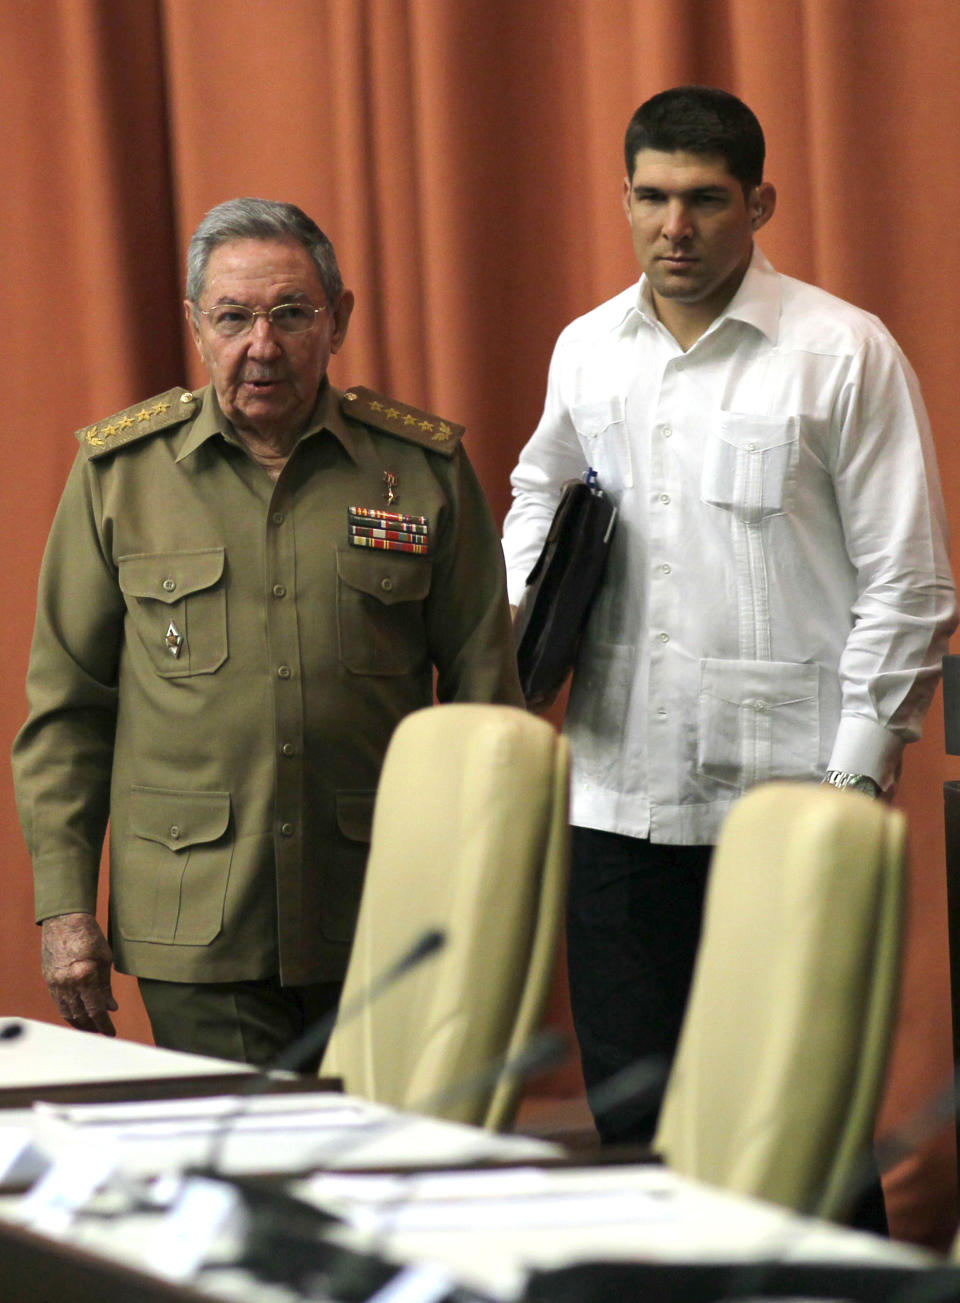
{"x": 664, "y": 637}
{"x": 169, "y": 585}
{"x": 751, "y": 447}
{"x": 665, "y": 568}
{"x": 667, "y": 431}
{"x": 760, "y": 707}
{"x": 287, "y": 829}
{"x": 386, "y": 585}
{"x": 279, "y": 590}
{"x": 661, "y": 710}
{"x": 174, "y": 831}
{"x": 288, "y": 749}
{"x": 277, "y": 517}
{"x": 283, "y": 671}
{"x": 664, "y": 498}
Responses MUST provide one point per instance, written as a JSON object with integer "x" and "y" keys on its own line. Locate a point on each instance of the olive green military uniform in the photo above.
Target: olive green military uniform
{"x": 219, "y": 662}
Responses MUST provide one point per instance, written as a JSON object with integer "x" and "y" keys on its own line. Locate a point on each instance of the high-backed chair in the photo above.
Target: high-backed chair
{"x": 469, "y": 836}
{"x": 776, "y": 1082}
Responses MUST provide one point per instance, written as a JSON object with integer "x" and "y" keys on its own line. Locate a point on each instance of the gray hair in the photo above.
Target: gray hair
{"x": 260, "y": 219}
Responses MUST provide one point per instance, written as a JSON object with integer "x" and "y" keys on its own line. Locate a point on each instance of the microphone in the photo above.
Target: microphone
{"x": 543, "y": 1050}
{"x": 886, "y": 1283}
{"x": 278, "y": 1249}
{"x": 640, "y": 1084}
{"x": 269, "y": 1215}
{"x": 314, "y": 1040}
{"x": 286, "y": 1239}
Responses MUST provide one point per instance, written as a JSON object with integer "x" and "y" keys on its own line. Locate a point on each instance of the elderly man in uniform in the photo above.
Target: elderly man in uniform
{"x": 244, "y": 590}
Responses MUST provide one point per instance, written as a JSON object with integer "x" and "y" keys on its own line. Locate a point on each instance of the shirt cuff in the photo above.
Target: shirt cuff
{"x": 862, "y": 746}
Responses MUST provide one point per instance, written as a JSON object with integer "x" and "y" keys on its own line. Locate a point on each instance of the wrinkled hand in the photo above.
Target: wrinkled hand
{"x": 76, "y": 968}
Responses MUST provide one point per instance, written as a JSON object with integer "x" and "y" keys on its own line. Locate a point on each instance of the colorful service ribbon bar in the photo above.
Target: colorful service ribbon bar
{"x": 374, "y": 513}
{"x": 390, "y": 531}
{"x": 419, "y": 549}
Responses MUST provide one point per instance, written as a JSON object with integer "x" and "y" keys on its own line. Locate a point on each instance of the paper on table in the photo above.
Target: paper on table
{"x": 160, "y": 1118}
{"x": 511, "y": 1198}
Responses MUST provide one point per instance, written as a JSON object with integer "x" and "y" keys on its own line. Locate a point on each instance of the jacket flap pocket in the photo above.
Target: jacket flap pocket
{"x": 178, "y": 820}
{"x": 355, "y": 815}
{"x": 388, "y": 576}
{"x": 169, "y": 576}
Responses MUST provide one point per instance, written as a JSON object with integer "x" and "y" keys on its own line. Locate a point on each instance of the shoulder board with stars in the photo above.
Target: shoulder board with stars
{"x": 405, "y": 422}
{"x": 166, "y": 410}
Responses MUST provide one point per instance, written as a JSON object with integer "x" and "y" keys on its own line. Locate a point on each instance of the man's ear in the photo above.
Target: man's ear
{"x": 192, "y": 324}
{"x": 762, "y": 204}
{"x": 341, "y": 320}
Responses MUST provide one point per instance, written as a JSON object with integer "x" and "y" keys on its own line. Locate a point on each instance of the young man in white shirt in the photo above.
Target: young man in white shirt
{"x": 778, "y": 596}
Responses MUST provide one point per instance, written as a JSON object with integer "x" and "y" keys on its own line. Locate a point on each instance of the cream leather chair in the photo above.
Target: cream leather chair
{"x": 470, "y": 836}
{"x": 782, "y": 1056}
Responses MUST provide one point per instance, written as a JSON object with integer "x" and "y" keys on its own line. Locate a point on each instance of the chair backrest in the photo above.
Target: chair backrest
{"x": 777, "y": 1078}
{"x": 470, "y": 836}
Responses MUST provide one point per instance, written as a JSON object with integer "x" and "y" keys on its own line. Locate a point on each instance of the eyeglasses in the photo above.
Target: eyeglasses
{"x": 230, "y": 319}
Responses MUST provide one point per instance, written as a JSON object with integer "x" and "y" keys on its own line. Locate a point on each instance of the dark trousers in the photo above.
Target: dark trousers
{"x": 247, "y": 1022}
{"x": 634, "y": 912}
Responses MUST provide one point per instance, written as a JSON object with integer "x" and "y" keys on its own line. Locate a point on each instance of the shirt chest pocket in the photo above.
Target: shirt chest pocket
{"x": 750, "y": 465}
{"x": 177, "y": 604}
{"x": 601, "y": 428}
{"x": 380, "y": 614}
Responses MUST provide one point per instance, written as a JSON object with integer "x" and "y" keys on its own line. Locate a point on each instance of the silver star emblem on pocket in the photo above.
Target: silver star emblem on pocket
{"x": 174, "y": 640}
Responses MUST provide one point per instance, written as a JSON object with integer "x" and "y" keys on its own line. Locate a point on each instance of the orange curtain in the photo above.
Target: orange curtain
{"x": 465, "y": 158}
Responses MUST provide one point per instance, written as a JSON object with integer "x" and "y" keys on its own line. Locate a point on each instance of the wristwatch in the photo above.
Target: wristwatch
{"x": 854, "y": 782}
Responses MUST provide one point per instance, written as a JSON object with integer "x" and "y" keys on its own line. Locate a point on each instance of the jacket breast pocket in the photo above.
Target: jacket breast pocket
{"x": 601, "y": 428}
{"x": 174, "y": 867}
{"x": 178, "y": 605}
{"x": 758, "y": 720}
{"x": 750, "y": 465}
{"x": 380, "y": 598}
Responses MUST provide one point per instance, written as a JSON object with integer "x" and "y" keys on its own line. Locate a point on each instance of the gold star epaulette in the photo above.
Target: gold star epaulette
{"x": 172, "y": 408}
{"x": 399, "y": 419}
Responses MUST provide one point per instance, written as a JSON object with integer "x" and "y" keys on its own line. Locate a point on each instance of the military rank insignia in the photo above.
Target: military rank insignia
{"x": 388, "y": 530}
{"x": 173, "y": 641}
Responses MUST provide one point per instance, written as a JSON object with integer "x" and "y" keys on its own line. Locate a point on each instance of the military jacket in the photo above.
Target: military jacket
{"x": 219, "y": 661}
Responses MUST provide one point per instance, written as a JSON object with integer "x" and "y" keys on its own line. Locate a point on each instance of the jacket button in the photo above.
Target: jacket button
{"x": 287, "y": 829}
{"x": 169, "y": 585}
{"x": 386, "y": 585}
{"x": 174, "y": 831}
{"x": 283, "y": 671}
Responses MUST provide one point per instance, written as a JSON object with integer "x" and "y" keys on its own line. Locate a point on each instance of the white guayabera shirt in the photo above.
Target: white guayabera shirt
{"x": 779, "y": 595}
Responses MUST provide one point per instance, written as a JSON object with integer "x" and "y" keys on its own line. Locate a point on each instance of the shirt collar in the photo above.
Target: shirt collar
{"x": 210, "y": 421}
{"x": 756, "y": 302}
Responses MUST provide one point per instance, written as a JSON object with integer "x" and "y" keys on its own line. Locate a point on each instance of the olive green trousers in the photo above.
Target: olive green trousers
{"x": 247, "y": 1022}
